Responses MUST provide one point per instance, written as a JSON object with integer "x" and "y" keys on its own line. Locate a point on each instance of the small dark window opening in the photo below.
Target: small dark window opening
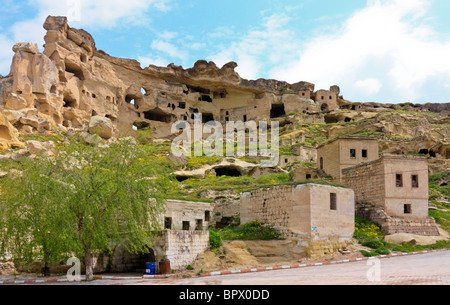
{"x": 286, "y": 161}
{"x": 323, "y": 97}
{"x": 321, "y": 163}
{"x": 245, "y": 118}
{"x": 186, "y": 226}
{"x": 198, "y": 224}
{"x": 407, "y": 209}
{"x": 364, "y": 153}
{"x": 399, "y": 180}
{"x": 415, "y": 181}
{"x": 353, "y": 153}
{"x": 308, "y": 176}
{"x": 331, "y": 97}
{"x": 168, "y": 223}
{"x": 333, "y": 201}
{"x": 207, "y": 216}
{"x": 182, "y": 105}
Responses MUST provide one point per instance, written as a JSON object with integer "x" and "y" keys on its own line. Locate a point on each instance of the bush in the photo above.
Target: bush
{"x": 215, "y": 241}
{"x": 250, "y": 231}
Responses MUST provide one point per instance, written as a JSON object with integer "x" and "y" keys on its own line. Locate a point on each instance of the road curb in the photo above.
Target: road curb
{"x": 221, "y": 273}
{"x": 297, "y": 266}
{"x": 97, "y": 277}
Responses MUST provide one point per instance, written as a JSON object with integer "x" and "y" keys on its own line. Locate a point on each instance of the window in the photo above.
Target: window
{"x": 308, "y": 176}
{"x": 186, "y": 226}
{"x": 333, "y": 201}
{"x": 364, "y": 153}
{"x": 399, "y": 180}
{"x": 207, "y": 215}
{"x": 199, "y": 225}
{"x": 168, "y": 223}
{"x": 353, "y": 153}
{"x": 321, "y": 163}
{"x": 407, "y": 209}
{"x": 415, "y": 181}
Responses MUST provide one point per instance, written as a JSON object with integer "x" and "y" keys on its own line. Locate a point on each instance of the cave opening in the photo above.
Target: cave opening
{"x": 158, "y": 115}
{"x": 227, "y": 171}
{"x": 75, "y": 70}
{"x": 277, "y": 111}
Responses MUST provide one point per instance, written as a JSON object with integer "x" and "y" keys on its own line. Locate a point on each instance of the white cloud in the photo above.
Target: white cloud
{"x": 6, "y": 55}
{"x": 259, "y": 48}
{"x": 153, "y": 60}
{"x": 369, "y": 85}
{"x": 389, "y": 39}
{"x": 169, "y": 49}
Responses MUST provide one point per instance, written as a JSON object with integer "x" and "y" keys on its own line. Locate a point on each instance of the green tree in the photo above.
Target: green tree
{"x": 30, "y": 222}
{"x": 104, "y": 195}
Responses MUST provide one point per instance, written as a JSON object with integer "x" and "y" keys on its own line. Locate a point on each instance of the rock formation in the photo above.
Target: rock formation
{"x": 73, "y": 86}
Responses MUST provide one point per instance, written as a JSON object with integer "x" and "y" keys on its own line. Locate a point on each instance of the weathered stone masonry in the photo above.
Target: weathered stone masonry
{"x": 319, "y": 217}
{"x": 393, "y": 191}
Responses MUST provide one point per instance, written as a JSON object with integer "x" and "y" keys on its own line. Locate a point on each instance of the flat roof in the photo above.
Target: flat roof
{"x": 359, "y": 138}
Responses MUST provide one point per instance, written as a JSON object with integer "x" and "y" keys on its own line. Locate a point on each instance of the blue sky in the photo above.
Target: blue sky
{"x": 375, "y": 50}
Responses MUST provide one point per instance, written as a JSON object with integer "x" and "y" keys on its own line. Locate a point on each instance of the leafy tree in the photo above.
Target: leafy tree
{"x": 96, "y": 196}
{"x": 31, "y": 224}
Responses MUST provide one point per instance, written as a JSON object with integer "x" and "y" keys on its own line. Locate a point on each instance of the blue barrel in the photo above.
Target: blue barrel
{"x": 150, "y": 268}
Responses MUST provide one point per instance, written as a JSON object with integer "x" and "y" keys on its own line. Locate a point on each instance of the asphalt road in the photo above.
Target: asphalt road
{"x": 421, "y": 269}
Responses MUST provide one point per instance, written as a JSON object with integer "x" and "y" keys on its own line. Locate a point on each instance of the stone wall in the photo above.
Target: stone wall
{"x": 336, "y": 154}
{"x": 182, "y": 248}
{"x": 303, "y": 213}
{"x": 396, "y": 208}
{"x": 180, "y": 211}
{"x": 367, "y": 181}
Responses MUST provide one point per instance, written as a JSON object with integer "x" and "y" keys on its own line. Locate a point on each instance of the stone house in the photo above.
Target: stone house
{"x": 319, "y": 218}
{"x": 304, "y": 173}
{"x": 184, "y": 236}
{"x": 344, "y": 152}
{"x": 328, "y": 100}
{"x": 393, "y": 191}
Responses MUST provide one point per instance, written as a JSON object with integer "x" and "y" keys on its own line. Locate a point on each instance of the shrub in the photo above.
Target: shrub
{"x": 250, "y": 231}
{"x": 215, "y": 241}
